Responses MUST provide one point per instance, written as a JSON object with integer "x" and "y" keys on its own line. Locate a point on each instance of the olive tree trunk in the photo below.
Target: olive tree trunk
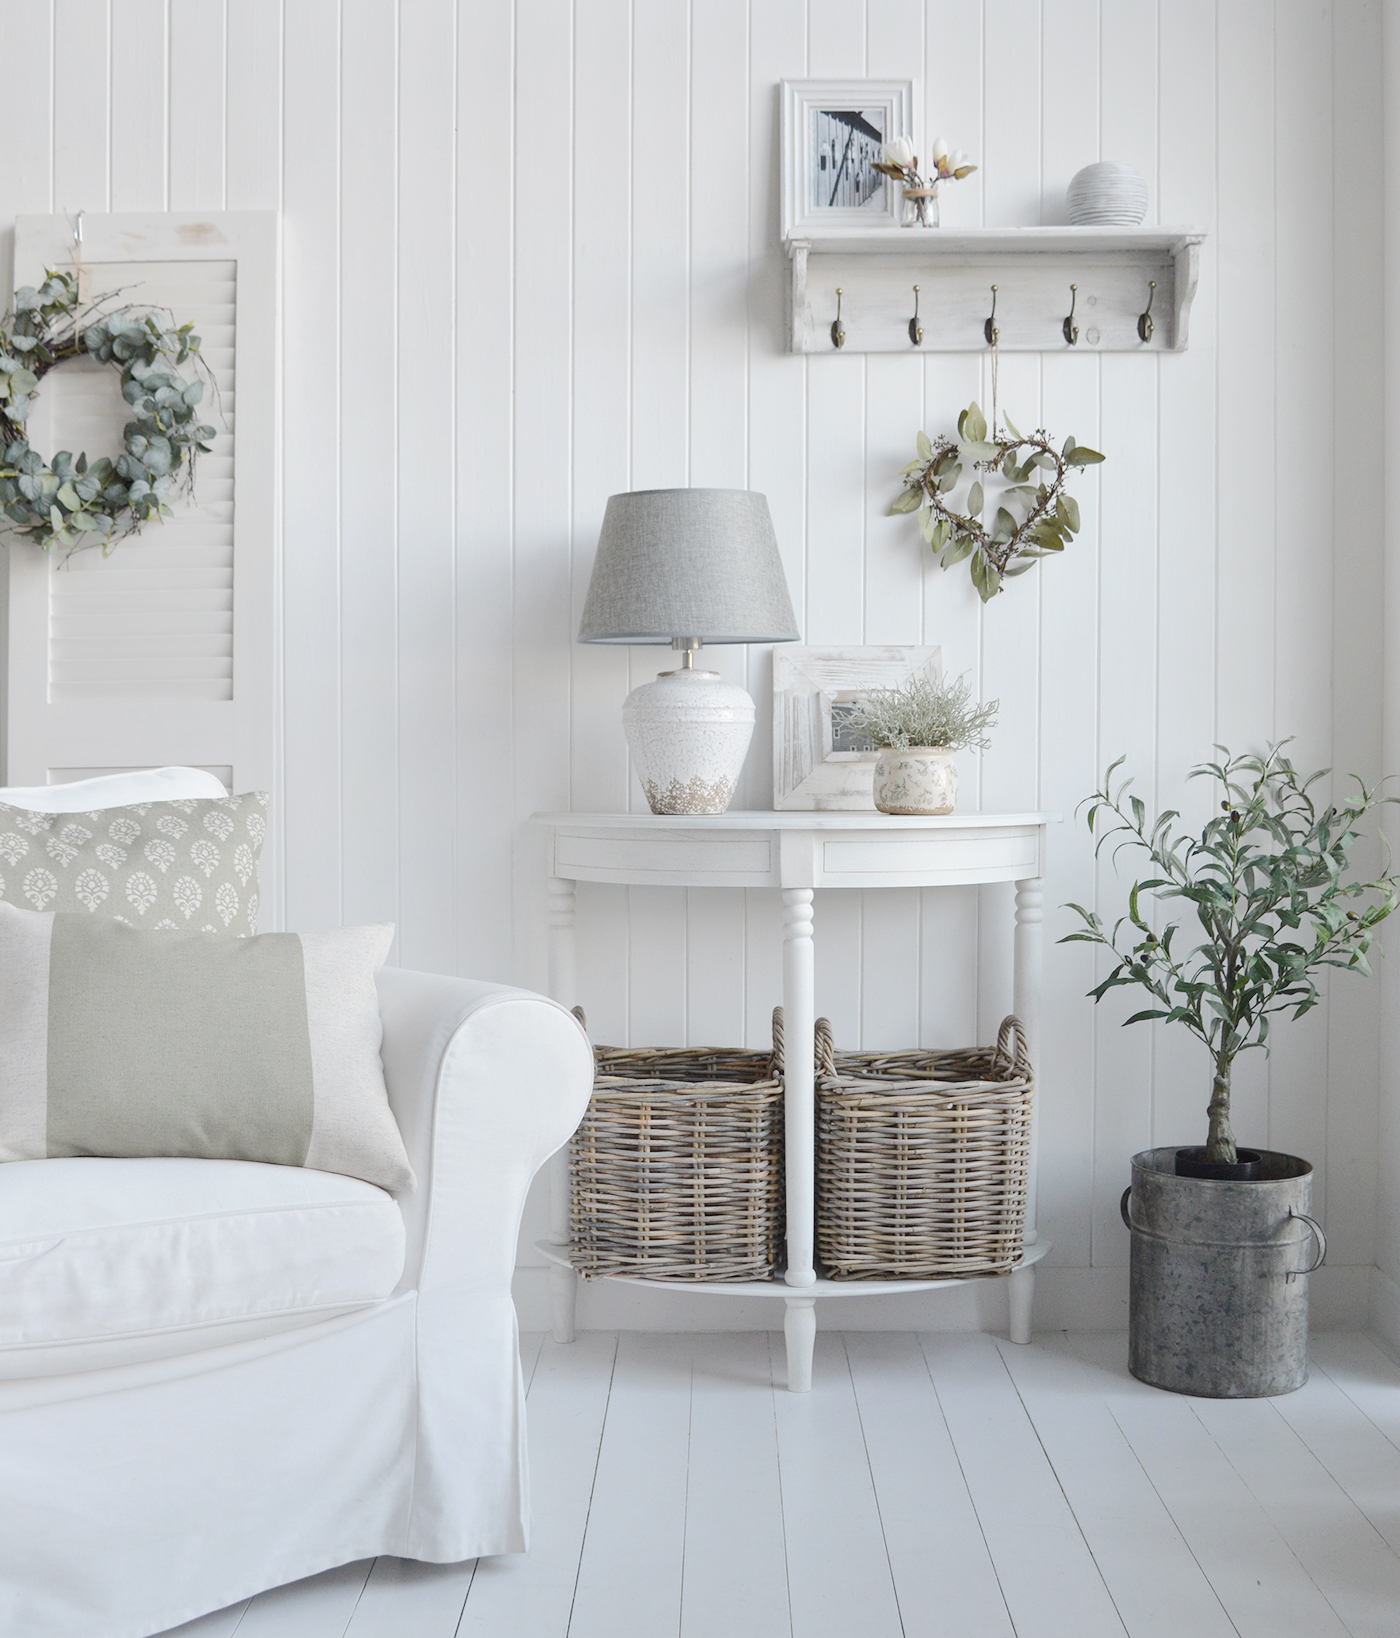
{"x": 1220, "y": 1143}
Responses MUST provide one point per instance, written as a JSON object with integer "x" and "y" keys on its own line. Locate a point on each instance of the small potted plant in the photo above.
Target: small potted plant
{"x": 918, "y": 727}
{"x": 1221, "y": 1234}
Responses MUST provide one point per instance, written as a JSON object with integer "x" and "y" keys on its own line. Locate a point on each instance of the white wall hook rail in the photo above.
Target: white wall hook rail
{"x": 1114, "y": 275}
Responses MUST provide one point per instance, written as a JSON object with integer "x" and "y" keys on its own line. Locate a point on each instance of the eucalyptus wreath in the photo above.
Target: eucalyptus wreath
{"x": 1034, "y": 515}
{"x": 71, "y": 502}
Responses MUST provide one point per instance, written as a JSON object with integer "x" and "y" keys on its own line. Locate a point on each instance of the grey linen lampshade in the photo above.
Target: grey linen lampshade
{"x": 687, "y": 563}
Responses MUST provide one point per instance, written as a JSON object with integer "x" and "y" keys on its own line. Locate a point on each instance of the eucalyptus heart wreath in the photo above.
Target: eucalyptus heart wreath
{"x": 1034, "y": 514}
{"x": 68, "y": 502}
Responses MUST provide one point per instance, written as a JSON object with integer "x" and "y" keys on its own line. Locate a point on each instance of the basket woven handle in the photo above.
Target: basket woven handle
{"x": 826, "y": 1048}
{"x": 1012, "y": 1029}
{"x": 777, "y": 1069}
{"x": 578, "y": 1013}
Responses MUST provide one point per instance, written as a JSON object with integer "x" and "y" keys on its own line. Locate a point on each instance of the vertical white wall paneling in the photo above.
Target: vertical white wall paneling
{"x": 29, "y": 175}
{"x": 1128, "y": 632}
{"x": 428, "y": 112}
{"x": 542, "y": 633}
{"x": 485, "y": 479}
{"x": 895, "y": 557}
{"x": 1357, "y": 612}
{"x": 372, "y": 543}
{"x": 777, "y": 426}
{"x": 1303, "y": 574}
{"x": 951, "y": 609}
{"x": 602, "y": 357}
{"x": 1186, "y": 500}
{"x": 81, "y": 92}
{"x": 253, "y": 115}
{"x": 531, "y": 258}
{"x": 139, "y": 108}
{"x": 197, "y": 87}
{"x": 661, "y": 196}
{"x": 1248, "y": 336}
{"x": 1069, "y": 592}
{"x": 311, "y": 501}
{"x": 718, "y": 432}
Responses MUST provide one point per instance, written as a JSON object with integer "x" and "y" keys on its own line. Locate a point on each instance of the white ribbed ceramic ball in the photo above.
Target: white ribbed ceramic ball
{"x": 1107, "y": 195}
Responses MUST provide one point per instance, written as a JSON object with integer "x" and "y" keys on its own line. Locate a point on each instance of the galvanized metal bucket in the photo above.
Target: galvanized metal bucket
{"x": 1219, "y": 1298}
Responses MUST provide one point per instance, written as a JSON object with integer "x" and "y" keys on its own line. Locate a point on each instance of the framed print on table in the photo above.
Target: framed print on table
{"x": 820, "y": 760}
{"x": 833, "y": 133}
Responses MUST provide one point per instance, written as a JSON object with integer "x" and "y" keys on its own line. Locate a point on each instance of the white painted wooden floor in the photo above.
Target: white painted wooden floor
{"x": 948, "y": 1484}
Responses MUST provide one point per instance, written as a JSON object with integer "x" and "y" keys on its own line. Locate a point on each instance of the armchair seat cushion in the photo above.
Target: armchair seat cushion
{"x": 110, "y": 1262}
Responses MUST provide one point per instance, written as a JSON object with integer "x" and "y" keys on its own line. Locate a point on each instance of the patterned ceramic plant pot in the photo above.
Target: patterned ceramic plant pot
{"x": 923, "y": 779}
{"x": 688, "y": 733}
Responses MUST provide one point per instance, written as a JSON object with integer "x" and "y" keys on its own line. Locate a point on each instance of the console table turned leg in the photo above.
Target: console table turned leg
{"x": 1020, "y": 1297}
{"x": 563, "y": 987}
{"x": 799, "y": 1124}
{"x": 1030, "y": 912}
{"x": 800, "y": 1333}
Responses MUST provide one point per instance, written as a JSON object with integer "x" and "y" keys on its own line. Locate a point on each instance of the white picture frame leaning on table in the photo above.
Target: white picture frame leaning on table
{"x": 817, "y": 762}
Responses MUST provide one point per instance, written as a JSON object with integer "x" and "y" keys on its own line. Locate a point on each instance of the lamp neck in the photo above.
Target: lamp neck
{"x": 688, "y": 648}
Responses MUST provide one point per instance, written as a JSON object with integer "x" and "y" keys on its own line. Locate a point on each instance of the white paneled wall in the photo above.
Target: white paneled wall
{"x": 531, "y": 258}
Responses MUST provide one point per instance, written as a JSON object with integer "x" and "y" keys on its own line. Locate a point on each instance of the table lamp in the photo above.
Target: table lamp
{"x": 688, "y": 567}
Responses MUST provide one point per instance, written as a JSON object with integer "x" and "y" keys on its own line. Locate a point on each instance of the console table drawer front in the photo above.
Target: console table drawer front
{"x": 972, "y": 856}
{"x": 726, "y": 861}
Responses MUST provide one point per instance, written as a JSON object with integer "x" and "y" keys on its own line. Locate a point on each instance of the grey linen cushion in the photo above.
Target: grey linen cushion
{"x": 119, "y": 1042}
{"x": 189, "y": 864}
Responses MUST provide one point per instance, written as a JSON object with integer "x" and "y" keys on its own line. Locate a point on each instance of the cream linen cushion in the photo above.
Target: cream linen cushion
{"x": 115, "y": 790}
{"x": 109, "y": 1262}
{"x": 118, "y": 1042}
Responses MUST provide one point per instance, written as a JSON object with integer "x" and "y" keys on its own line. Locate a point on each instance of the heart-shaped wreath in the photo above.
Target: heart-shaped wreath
{"x": 68, "y": 502}
{"x": 1035, "y": 475}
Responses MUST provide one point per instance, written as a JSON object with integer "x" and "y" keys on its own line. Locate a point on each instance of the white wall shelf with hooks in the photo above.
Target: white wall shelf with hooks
{"x": 1112, "y": 270}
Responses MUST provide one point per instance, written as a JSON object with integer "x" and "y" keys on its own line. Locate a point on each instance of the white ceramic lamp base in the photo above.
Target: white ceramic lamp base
{"x": 688, "y": 733}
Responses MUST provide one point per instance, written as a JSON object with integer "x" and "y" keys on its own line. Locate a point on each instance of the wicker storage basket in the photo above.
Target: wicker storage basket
{"x": 922, "y": 1159}
{"x": 676, "y": 1170}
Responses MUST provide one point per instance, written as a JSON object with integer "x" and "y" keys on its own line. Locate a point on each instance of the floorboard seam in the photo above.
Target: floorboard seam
{"x": 358, "y": 1596}
{"x": 778, "y": 1458}
{"x": 467, "y": 1592}
{"x": 1152, "y": 1483}
{"x": 592, "y": 1486}
{"x": 685, "y": 1511}
{"x": 962, "y": 1471}
{"x": 1264, "y": 1509}
{"x": 1361, "y": 1409}
{"x": 874, "y": 1487}
{"x": 1059, "y": 1483}
{"x": 1335, "y": 1478}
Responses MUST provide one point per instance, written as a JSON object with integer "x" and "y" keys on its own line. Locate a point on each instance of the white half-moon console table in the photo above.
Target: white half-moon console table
{"x": 797, "y": 853}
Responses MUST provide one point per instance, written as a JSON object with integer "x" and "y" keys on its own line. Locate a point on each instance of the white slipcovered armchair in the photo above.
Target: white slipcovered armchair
{"x": 216, "y": 1376}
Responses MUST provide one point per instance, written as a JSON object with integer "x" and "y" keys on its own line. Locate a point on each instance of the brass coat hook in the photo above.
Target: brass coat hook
{"x": 1070, "y": 328}
{"x": 838, "y": 330}
{"x": 916, "y": 330}
{"x": 1145, "y": 317}
{"x": 989, "y": 329}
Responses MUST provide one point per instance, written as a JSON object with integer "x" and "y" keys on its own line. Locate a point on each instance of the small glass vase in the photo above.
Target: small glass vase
{"x": 920, "y": 205}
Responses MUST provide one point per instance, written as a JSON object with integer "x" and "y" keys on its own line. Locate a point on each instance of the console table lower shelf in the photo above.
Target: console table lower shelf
{"x": 800, "y": 1320}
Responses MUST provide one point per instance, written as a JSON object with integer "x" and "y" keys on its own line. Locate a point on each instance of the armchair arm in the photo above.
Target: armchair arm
{"x": 486, "y": 1083}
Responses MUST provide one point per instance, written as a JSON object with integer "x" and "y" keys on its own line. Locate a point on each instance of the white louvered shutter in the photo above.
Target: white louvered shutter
{"x": 162, "y": 652}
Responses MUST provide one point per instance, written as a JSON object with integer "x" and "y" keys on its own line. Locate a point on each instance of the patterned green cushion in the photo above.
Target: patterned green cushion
{"x": 189, "y": 865}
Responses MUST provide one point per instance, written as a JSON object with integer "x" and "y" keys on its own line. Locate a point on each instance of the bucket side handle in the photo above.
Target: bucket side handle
{"x": 1319, "y": 1239}
{"x": 1123, "y": 1207}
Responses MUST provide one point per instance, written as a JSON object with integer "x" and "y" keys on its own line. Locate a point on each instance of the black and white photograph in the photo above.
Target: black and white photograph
{"x": 833, "y": 135}
{"x": 846, "y": 145}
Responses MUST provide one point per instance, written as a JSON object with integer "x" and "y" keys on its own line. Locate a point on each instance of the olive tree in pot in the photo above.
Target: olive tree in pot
{"x": 1221, "y": 1236}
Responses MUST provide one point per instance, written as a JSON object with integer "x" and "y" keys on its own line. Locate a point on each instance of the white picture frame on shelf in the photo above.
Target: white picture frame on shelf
{"x": 832, "y": 132}
{"x": 817, "y": 761}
